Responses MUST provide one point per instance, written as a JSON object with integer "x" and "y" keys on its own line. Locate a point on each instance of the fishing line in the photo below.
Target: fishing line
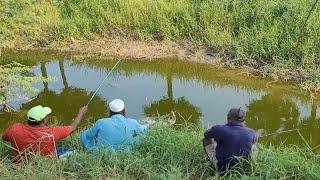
{"x": 100, "y": 85}
{"x": 277, "y": 133}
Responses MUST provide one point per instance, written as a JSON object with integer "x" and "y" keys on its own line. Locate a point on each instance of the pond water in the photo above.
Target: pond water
{"x": 197, "y": 93}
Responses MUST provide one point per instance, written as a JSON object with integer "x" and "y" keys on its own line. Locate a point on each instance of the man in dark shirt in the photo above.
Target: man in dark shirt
{"x": 223, "y": 143}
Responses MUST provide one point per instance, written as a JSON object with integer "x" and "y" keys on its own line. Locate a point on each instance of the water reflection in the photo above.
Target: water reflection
{"x": 203, "y": 93}
{"x": 272, "y": 113}
{"x": 184, "y": 110}
{"x": 65, "y": 105}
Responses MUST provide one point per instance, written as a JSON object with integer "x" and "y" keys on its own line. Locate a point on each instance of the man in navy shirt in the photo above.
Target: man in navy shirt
{"x": 225, "y": 142}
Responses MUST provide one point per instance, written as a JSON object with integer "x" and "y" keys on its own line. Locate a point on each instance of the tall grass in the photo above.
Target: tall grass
{"x": 165, "y": 153}
{"x": 269, "y": 35}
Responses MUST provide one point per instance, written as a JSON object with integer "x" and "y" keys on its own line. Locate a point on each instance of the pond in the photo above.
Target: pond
{"x": 197, "y": 93}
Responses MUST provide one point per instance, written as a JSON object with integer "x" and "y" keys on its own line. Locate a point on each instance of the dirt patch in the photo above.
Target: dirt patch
{"x": 111, "y": 47}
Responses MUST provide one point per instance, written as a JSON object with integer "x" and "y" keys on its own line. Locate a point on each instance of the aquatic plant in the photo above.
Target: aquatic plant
{"x": 166, "y": 153}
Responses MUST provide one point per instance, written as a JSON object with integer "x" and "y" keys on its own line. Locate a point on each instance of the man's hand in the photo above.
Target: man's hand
{"x": 77, "y": 120}
{"x": 83, "y": 110}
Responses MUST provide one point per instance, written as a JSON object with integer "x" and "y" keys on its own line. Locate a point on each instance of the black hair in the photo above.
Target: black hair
{"x": 32, "y": 122}
{"x": 111, "y": 113}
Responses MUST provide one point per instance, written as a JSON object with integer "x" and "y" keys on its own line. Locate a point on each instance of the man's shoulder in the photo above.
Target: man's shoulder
{"x": 103, "y": 120}
{"x": 249, "y": 131}
{"x": 16, "y": 125}
{"x": 55, "y": 128}
{"x": 131, "y": 120}
{"x": 218, "y": 127}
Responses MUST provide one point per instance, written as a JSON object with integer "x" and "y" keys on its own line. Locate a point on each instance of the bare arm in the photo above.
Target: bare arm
{"x": 254, "y": 145}
{"x": 77, "y": 120}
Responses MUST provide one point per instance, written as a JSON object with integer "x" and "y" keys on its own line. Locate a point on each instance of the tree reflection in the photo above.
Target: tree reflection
{"x": 44, "y": 74}
{"x": 66, "y": 104}
{"x": 184, "y": 110}
{"x": 272, "y": 113}
{"x": 310, "y": 126}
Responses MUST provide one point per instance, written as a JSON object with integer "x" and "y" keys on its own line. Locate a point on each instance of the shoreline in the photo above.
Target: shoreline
{"x": 128, "y": 48}
{"x": 116, "y": 46}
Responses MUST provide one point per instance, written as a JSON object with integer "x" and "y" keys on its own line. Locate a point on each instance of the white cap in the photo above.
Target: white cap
{"x": 116, "y": 105}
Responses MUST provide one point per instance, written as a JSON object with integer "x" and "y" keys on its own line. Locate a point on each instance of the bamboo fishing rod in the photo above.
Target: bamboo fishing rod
{"x": 100, "y": 85}
{"x": 275, "y": 133}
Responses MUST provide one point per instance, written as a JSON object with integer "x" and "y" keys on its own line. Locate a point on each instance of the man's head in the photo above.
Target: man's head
{"x": 116, "y": 107}
{"x": 37, "y": 115}
{"x": 236, "y": 115}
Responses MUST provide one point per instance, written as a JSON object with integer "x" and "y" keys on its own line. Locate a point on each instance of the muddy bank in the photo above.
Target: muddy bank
{"x": 112, "y": 46}
{"x": 118, "y": 47}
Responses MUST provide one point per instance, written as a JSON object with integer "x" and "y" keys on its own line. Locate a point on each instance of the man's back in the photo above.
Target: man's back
{"x": 27, "y": 139}
{"x": 233, "y": 139}
{"x": 118, "y": 132}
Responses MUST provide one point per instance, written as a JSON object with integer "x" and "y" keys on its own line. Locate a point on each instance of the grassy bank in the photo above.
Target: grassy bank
{"x": 274, "y": 37}
{"x": 165, "y": 154}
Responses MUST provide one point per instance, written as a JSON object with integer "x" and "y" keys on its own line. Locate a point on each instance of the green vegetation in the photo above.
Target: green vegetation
{"x": 274, "y": 37}
{"x": 166, "y": 153}
{"x": 15, "y": 81}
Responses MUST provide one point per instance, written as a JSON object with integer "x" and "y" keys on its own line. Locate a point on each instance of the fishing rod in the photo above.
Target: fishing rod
{"x": 303, "y": 27}
{"x": 100, "y": 85}
{"x": 271, "y": 134}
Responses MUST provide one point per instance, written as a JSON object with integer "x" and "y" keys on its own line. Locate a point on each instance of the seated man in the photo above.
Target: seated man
{"x": 223, "y": 143}
{"x": 36, "y": 136}
{"x": 117, "y": 131}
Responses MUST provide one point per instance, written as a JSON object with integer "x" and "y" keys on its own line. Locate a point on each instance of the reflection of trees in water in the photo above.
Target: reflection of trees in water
{"x": 66, "y": 104}
{"x": 311, "y": 126}
{"x": 274, "y": 113}
{"x": 44, "y": 74}
{"x": 168, "y": 104}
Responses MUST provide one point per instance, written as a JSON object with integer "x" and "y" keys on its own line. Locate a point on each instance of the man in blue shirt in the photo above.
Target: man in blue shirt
{"x": 223, "y": 143}
{"x": 117, "y": 131}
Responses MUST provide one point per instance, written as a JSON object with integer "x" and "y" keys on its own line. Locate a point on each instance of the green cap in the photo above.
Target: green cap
{"x": 37, "y": 113}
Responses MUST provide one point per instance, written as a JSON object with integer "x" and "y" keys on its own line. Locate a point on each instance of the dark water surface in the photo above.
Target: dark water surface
{"x": 197, "y": 93}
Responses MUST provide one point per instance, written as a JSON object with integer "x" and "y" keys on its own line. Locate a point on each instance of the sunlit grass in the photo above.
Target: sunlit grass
{"x": 165, "y": 153}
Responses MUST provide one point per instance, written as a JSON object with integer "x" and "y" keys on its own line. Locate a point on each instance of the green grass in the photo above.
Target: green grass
{"x": 268, "y": 35}
{"x": 165, "y": 153}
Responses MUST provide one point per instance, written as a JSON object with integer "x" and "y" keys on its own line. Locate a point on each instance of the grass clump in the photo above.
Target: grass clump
{"x": 165, "y": 153}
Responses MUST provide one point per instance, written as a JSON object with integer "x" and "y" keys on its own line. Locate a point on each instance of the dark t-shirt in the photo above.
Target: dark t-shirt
{"x": 233, "y": 139}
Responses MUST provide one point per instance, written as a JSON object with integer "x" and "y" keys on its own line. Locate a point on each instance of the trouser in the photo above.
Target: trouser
{"x": 210, "y": 146}
{"x": 63, "y": 151}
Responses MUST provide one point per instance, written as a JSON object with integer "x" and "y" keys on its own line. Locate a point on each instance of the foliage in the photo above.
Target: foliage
{"x": 166, "y": 153}
{"x": 26, "y": 21}
{"x": 16, "y": 80}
